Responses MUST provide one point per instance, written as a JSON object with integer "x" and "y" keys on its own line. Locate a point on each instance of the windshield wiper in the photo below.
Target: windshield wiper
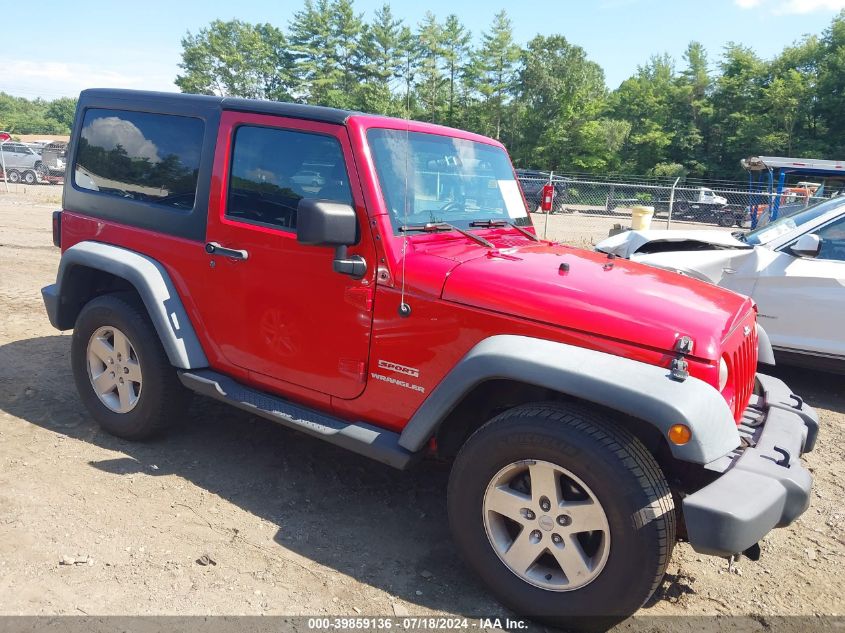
{"x": 432, "y": 227}
{"x": 739, "y": 235}
{"x": 489, "y": 224}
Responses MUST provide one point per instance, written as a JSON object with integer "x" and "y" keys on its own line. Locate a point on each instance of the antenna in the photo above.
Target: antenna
{"x": 404, "y": 308}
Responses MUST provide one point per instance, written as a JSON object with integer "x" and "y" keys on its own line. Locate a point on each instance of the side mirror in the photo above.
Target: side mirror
{"x": 808, "y": 245}
{"x": 326, "y": 223}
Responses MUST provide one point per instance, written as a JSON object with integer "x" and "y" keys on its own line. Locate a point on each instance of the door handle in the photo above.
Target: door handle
{"x": 213, "y": 248}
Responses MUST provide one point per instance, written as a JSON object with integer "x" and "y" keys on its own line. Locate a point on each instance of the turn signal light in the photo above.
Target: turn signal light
{"x": 679, "y": 434}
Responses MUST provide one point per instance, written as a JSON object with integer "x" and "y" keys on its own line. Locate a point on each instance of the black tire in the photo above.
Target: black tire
{"x": 13, "y": 176}
{"x": 161, "y": 400}
{"x": 620, "y": 472}
{"x": 29, "y": 177}
{"x": 726, "y": 219}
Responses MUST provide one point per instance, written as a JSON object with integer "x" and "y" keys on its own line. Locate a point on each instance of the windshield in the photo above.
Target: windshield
{"x": 786, "y": 223}
{"x": 448, "y": 180}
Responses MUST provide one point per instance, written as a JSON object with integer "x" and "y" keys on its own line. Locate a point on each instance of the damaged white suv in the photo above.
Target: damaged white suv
{"x": 794, "y": 268}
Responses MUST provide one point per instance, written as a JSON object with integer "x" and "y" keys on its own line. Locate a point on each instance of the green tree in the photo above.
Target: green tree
{"x": 547, "y": 101}
{"x": 24, "y": 116}
{"x": 784, "y": 96}
{"x": 831, "y": 84}
{"x": 794, "y": 100}
{"x": 693, "y": 111}
{"x": 325, "y": 38}
{"x": 455, "y": 49}
{"x": 410, "y": 51}
{"x": 236, "y": 58}
{"x": 346, "y": 30}
{"x": 381, "y": 63}
{"x": 62, "y": 111}
{"x": 310, "y": 40}
{"x": 495, "y": 70}
{"x": 430, "y": 87}
{"x": 563, "y": 94}
{"x": 646, "y": 101}
{"x": 738, "y": 103}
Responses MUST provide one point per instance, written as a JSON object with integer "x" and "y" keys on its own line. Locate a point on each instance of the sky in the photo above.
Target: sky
{"x": 94, "y": 43}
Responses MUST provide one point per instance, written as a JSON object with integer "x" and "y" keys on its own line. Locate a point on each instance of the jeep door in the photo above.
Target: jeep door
{"x": 285, "y": 314}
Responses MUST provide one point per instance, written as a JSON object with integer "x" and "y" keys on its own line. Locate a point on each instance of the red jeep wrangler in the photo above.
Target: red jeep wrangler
{"x": 377, "y": 283}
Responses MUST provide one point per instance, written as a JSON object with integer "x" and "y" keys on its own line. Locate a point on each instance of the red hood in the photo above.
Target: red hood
{"x": 613, "y": 298}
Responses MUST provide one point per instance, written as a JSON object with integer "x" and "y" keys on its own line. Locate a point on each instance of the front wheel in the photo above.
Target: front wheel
{"x": 29, "y": 177}
{"x": 562, "y": 514}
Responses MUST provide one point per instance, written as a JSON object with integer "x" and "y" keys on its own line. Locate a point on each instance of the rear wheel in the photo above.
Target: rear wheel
{"x": 566, "y": 517}
{"x": 121, "y": 371}
{"x": 726, "y": 219}
{"x": 13, "y": 176}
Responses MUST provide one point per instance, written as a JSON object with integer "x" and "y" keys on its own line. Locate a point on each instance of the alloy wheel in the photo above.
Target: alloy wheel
{"x": 546, "y": 525}
{"x": 114, "y": 369}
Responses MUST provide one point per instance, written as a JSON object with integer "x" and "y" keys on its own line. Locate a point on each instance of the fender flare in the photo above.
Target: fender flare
{"x": 154, "y": 286}
{"x": 765, "y": 354}
{"x": 640, "y": 390}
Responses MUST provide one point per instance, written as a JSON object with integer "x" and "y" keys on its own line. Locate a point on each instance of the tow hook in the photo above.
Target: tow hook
{"x": 752, "y": 554}
{"x": 784, "y": 460}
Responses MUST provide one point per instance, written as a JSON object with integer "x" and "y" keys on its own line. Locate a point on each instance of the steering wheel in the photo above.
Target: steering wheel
{"x": 452, "y": 205}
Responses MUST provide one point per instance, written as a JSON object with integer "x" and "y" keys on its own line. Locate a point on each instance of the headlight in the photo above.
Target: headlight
{"x": 723, "y": 374}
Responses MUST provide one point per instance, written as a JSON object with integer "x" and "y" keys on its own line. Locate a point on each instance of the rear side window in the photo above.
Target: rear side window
{"x": 273, "y": 169}
{"x": 140, "y": 156}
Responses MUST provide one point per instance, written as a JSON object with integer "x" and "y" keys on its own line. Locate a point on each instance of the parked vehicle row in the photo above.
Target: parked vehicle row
{"x": 700, "y": 203}
{"x": 594, "y": 410}
{"x": 30, "y": 165}
{"x": 22, "y": 163}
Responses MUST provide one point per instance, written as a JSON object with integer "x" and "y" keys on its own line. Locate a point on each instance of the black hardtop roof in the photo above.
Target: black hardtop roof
{"x": 138, "y": 99}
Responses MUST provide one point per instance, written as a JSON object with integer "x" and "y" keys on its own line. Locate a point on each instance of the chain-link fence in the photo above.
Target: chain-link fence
{"x": 672, "y": 203}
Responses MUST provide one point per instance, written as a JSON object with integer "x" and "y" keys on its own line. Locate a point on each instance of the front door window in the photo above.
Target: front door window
{"x": 273, "y": 169}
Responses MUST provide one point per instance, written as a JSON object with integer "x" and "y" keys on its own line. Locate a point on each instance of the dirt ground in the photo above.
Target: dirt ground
{"x": 295, "y": 526}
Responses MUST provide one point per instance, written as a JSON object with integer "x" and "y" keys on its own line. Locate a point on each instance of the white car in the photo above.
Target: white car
{"x": 794, "y": 268}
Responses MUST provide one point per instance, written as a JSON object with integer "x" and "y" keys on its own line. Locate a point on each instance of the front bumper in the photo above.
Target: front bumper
{"x": 762, "y": 486}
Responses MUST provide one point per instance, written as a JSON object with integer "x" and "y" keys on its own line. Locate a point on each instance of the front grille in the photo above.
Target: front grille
{"x": 744, "y": 367}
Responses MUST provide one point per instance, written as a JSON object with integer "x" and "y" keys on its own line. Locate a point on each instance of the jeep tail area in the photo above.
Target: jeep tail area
{"x": 399, "y": 304}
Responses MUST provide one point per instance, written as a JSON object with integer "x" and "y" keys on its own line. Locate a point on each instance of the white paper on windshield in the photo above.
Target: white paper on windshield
{"x": 512, "y": 198}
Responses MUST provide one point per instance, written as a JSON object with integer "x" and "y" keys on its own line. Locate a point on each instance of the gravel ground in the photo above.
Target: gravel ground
{"x": 90, "y": 524}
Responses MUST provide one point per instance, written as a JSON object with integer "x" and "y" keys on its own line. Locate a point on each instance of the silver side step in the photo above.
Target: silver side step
{"x": 367, "y": 440}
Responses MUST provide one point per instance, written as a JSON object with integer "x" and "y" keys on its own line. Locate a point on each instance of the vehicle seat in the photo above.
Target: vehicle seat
{"x": 336, "y": 186}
